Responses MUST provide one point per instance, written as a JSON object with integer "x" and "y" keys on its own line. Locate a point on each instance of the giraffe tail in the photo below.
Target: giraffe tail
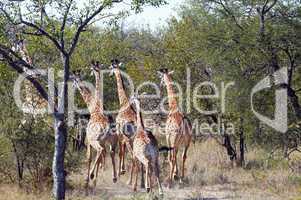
{"x": 165, "y": 149}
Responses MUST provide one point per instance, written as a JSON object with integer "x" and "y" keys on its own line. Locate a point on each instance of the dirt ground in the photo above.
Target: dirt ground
{"x": 107, "y": 190}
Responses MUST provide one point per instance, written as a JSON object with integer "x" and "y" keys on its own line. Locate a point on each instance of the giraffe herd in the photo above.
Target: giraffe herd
{"x": 130, "y": 133}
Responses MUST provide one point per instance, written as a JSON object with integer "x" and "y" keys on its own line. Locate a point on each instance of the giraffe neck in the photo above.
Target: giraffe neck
{"x": 97, "y": 92}
{"x": 31, "y": 96}
{"x": 140, "y": 124}
{"x": 87, "y": 97}
{"x": 172, "y": 101}
{"x": 24, "y": 54}
{"x": 123, "y": 99}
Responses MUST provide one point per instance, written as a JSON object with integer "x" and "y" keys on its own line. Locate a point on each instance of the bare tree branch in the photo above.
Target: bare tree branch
{"x": 16, "y": 66}
{"x": 45, "y": 33}
{"x": 229, "y": 12}
{"x": 270, "y": 7}
{"x": 69, "y": 4}
{"x": 9, "y": 18}
{"x": 264, "y": 6}
{"x": 21, "y": 66}
{"x": 32, "y": 33}
{"x": 81, "y": 28}
{"x": 85, "y": 22}
{"x": 7, "y": 51}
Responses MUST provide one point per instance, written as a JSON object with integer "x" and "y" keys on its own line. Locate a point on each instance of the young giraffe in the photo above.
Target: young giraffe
{"x": 145, "y": 150}
{"x": 98, "y": 129}
{"x": 178, "y": 128}
{"x": 125, "y": 123}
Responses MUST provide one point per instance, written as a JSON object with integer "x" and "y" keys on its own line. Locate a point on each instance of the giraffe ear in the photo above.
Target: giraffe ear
{"x": 115, "y": 62}
{"x": 143, "y": 94}
{"x": 72, "y": 75}
{"x": 121, "y": 65}
{"x": 171, "y": 72}
{"x": 78, "y": 73}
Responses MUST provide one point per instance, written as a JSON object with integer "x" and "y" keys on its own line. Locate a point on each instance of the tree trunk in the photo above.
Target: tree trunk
{"x": 19, "y": 165}
{"x": 20, "y": 168}
{"x": 58, "y": 159}
{"x": 241, "y": 162}
{"x": 60, "y": 126}
{"x": 291, "y": 93}
{"x": 294, "y": 99}
{"x": 230, "y": 150}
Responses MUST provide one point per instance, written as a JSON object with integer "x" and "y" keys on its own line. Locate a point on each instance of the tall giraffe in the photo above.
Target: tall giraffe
{"x": 178, "y": 128}
{"x": 145, "y": 150}
{"x": 125, "y": 121}
{"x": 98, "y": 129}
{"x": 32, "y": 99}
{"x": 95, "y": 68}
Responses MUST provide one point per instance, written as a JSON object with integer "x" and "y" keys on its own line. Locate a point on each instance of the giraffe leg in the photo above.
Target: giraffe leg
{"x": 96, "y": 163}
{"x": 184, "y": 156}
{"x": 99, "y": 150}
{"x": 103, "y": 159}
{"x": 122, "y": 160}
{"x": 135, "y": 165}
{"x": 89, "y": 159}
{"x": 172, "y": 167}
{"x": 147, "y": 178}
{"x": 129, "y": 182}
{"x": 150, "y": 177}
{"x": 142, "y": 182}
{"x": 157, "y": 175}
{"x": 175, "y": 174}
{"x": 129, "y": 147}
{"x": 99, "y": 161}
{"x": 120, "y": 157}
{"x": 112, "y": 153}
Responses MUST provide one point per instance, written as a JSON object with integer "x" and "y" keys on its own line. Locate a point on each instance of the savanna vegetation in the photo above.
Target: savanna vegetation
{"x": 239, "y": 41}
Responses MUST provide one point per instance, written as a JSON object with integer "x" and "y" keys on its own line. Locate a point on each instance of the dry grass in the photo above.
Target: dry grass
{"x": 209, "y": 176}
{"x": 210, "y": 166}
{"x": 13, "y": 192}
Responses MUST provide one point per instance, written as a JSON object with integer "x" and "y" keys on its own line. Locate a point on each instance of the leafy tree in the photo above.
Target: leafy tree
{"x": 49, "y": 20}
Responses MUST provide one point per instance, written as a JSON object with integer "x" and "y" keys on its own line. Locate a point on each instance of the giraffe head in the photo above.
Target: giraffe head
{"x": 33, "y": 73}
{"x": 76, "y": 77}
{"x": 96, "y": 67}
{"x": 164, "y": 74}
{"x": 115, "y": 65}
{"x": 135, "y": 100}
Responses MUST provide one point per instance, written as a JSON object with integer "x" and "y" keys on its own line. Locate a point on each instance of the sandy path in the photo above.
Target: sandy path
{"x": 107, "y": 190}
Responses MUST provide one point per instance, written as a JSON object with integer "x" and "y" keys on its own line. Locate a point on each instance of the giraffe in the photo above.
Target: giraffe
{"x": 98, "y": 131}
{"x": 178, "y": 129}
{"x": 125, "y": 122}
{"x": 95, "y": 70}
{"x": 145, "y": 150}
{"x": 32, "y": 101}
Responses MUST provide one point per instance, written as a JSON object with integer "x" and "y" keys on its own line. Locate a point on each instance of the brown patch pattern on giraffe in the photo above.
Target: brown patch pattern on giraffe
{"x": 145, "y": 150}
{"x": 126, "y": 118}
{"x": 178, "y": 129}
{"x": 98, "y": 128}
